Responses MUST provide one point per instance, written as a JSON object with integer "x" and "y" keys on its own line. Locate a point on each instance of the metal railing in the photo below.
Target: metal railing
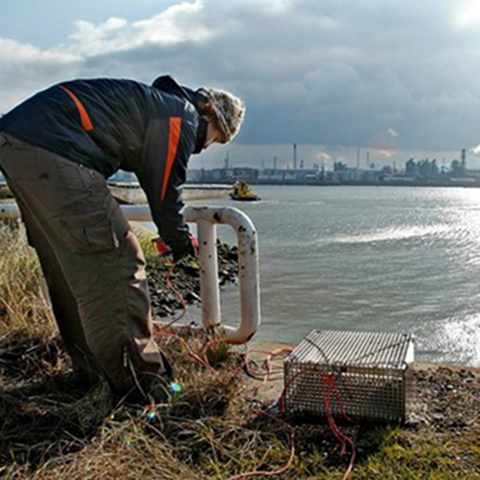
{"x": 206, "y": 219}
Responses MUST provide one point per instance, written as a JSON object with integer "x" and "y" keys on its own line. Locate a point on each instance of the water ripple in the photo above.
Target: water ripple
{"x": 393, "y": 234}
{"x": 456, "y": 337}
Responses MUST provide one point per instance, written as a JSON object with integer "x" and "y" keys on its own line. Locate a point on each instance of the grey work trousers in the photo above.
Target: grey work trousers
{"x": 93, "y": 265}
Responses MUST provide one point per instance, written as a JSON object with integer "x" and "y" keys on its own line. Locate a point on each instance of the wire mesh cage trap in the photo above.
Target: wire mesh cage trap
{"x": 361, "y": 375}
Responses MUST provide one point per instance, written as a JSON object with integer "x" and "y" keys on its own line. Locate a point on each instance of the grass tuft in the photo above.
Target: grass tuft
{"x": 22, "y": 302}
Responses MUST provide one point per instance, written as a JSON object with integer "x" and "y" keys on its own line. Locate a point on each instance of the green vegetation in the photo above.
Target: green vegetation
{"x": 53, "y": 427}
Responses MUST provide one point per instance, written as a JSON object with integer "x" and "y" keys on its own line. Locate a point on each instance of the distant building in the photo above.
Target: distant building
{"x": 422, "y": 172}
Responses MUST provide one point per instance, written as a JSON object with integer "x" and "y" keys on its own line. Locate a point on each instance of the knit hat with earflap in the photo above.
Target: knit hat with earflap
{"x": 229, "y": 111}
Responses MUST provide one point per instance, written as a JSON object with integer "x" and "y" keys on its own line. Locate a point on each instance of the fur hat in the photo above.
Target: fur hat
{"x": 227, "y": 109}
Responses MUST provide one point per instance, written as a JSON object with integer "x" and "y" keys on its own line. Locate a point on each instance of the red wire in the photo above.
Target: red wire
{"x": 274, "y": 354}
{"x": 268, "y": 364}
{"x": 246, "y": 365}
{"x": 179, "y": 296}
{"x": 189, "y": 350}
{"x": 292, "y": 451}
{"x": 207, "y": 346}
{"x": 328, "y": 385}
{"x": 340, "y": 402}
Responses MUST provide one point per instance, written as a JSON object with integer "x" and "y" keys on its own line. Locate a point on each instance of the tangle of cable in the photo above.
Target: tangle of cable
{"x": 328, "y": 385}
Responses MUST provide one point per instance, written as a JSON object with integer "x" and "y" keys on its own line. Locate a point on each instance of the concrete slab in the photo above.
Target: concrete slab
{"x": 271, "y": 388}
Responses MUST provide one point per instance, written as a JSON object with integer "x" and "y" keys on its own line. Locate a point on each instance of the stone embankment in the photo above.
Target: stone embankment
{"x": 128, "y": 193}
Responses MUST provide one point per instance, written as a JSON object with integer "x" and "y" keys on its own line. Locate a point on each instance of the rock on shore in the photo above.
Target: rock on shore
{"x": 185, "y": 278}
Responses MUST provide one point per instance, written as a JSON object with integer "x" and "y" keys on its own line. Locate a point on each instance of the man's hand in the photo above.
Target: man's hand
{"x": 194, "y": 242}
{"x": 164, "y": 250}
{"x": 161, "y": 247}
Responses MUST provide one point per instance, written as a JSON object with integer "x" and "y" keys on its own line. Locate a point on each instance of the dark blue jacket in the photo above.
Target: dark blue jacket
{"x": 109, "y": 125}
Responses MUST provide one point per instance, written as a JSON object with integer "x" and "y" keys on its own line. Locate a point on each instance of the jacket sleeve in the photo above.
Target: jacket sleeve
{"x": 168, "y": 145}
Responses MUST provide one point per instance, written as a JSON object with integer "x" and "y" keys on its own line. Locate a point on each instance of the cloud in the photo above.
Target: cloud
{"x": 329, "y": 73}
{"x": 177, "y": 24}
{"x": 26, "y": 68}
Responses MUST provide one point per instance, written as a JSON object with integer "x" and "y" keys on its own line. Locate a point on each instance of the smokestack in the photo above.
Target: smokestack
{"x": 464, "y": 159}
{"x": 358, "y": 158}
{"x": 294, "y": 156}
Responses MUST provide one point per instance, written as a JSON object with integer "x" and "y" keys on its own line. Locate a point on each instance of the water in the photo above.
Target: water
{"x": 368, "y": 258}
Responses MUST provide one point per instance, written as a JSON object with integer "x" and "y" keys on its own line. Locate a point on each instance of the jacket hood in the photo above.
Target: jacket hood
{"x": 167, "y": 84}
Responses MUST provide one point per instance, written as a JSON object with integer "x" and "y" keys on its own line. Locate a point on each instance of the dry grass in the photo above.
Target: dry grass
{"x": 53, "y": 427}
{"x": 22, "y": 304}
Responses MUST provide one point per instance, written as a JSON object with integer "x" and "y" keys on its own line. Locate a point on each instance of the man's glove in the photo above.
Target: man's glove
{"x": 163, "y": 249}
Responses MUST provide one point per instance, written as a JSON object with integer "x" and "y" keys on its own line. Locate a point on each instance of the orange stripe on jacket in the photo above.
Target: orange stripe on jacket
{"x": 84, "y": 118}
{"x": 174, "y": 128}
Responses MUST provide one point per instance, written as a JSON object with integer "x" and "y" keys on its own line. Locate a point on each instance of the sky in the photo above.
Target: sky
{"x": 395, "y": 78}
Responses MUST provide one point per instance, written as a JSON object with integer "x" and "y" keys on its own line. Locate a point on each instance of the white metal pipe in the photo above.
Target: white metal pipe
{"x": 209, "y": 290}
{"x": 248, "y": 271}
